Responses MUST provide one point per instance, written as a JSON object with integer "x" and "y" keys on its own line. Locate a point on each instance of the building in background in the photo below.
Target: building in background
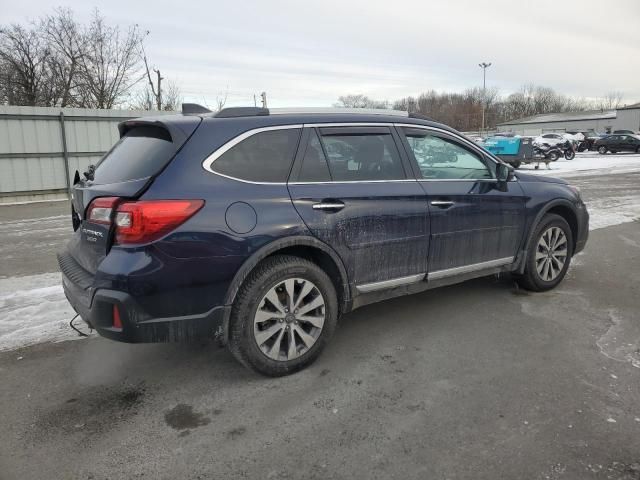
{"x": 601, "y": 121}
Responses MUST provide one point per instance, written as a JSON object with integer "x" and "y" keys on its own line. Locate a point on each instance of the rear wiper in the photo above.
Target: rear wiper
{"x": 91, "y": 170}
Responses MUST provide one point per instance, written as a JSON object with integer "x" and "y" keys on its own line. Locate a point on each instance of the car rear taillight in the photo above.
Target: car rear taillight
{"x": 117, "y": 321}
{"x": 147, "y": 220}
{"x": 101, "y": 210}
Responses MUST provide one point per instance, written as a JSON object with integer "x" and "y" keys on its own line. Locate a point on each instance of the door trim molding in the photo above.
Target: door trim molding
{"x": 394, "y": 282}
{"x": 474, "y": 267}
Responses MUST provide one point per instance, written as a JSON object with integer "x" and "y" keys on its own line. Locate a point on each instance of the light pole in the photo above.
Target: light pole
{"x": 484, "y": 67}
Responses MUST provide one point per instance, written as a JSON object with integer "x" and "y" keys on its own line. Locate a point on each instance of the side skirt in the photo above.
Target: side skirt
{"x": 379, "y": 291}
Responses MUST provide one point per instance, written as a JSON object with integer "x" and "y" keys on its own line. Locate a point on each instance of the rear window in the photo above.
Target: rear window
{"x": 263, "y": 157}
{"x": 141, "y": 153}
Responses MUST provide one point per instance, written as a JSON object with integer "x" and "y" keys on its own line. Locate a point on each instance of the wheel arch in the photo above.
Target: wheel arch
{"x": 561, "y": 207}
{"x": 302, "y": 246}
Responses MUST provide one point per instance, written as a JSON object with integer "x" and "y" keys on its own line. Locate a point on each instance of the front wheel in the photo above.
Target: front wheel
{"x": 602, "y": 150}
{"x": 283, "y": 316}
{"x": 549, "y": 254}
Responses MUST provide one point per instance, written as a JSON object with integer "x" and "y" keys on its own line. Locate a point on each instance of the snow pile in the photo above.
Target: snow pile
{"x": 587, "y": 163}
{"x": 33, "y": 309}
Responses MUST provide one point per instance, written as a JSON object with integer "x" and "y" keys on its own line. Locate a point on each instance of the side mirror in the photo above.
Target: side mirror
{"x": 504, "y": 172}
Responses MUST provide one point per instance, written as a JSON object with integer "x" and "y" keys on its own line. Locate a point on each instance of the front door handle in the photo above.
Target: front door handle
{"x": 331, "y": 206}
{"x": 442, "y": 203}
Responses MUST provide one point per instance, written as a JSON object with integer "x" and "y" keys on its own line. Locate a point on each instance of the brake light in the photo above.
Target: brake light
{"x": 101, "y": 210}
{"x": 148, "y": 220}
{"x": 117, "y": 321}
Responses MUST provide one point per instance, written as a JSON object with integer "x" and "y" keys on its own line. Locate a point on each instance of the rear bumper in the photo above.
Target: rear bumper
{"x": 96, "y": 309}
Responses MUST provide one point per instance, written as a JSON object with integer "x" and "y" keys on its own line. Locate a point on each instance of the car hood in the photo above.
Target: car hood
{"x": 528, "y": 177}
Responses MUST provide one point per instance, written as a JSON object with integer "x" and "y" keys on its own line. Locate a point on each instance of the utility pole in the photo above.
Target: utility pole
{"x": 159, "y": 96}
{"x": 263, "y": 95}
{"x": 484, "y": 67}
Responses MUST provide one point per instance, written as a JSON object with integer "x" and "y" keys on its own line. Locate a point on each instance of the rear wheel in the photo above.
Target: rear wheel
{"x": 516, "y": 164}
{"x": 549, "y": 254}
{"x": 569, "y": 154}
{"x": 553, "y": 156}
{"x": 602, "y": 150}
{"x": 283, "y": 316}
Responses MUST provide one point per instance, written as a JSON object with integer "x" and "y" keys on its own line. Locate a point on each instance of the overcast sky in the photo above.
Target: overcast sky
{"x": 307, "y": 53}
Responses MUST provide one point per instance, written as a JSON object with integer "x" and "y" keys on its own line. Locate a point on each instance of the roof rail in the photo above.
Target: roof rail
{"x": 257, "y": 111}
{"x": 338, "y": 110}
{"x": 241, "y": 112}
{"x": 420, "y": 116}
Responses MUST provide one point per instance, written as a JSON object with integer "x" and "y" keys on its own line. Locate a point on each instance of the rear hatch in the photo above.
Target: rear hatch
{"x": 145, "y": 148}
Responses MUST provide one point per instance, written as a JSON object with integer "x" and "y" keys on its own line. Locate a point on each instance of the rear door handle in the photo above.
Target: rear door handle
{"x": 332, "y": 206}
{"x": 442, "y": 203}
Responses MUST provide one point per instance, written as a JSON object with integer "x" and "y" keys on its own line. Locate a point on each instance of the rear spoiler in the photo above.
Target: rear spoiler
{"x": 178, "y": 127}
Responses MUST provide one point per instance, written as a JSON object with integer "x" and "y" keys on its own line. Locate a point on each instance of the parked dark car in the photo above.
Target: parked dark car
{"x": 618, "y": 143}
{"x": 263, "y": 227}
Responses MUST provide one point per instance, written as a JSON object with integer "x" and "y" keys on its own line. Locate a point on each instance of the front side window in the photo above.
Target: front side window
{"x": 440, "y": 158}
{"x": 362, "y": 156}
{"x": 263, "y": 157}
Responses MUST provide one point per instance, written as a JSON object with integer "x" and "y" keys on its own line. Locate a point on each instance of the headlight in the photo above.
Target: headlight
{"x": 576, "y": 190}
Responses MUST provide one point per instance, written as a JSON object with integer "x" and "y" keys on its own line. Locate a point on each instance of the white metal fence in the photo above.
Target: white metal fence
{"x": 41, "y": 148}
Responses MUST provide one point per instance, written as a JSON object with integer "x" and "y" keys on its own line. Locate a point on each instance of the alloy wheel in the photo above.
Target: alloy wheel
{"x": 551, "y": 253}
{"x": 289, "y": 319}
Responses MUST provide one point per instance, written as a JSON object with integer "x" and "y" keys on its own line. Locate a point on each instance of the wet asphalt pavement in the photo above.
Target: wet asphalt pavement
{"x": 474, "y": 381}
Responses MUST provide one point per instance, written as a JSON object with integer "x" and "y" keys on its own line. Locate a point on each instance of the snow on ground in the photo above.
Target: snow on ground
{"x": 606, "y": 212}
{"x": 588, "y": 163}
{"x": 33, "y": 310}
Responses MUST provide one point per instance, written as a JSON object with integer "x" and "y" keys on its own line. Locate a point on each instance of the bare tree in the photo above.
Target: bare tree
{"x": 221, "y": 99}
{"x": 25, "y": 66}
{"x": 65, "y": 39}
{"x": 611, "y": 100}
{"x": 111, "y": 66}
{"x": 360, "y": 101}
{"x": 145, "y": 99}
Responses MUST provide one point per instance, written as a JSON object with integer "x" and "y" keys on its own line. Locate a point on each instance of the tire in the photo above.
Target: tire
{"x": 516, "y": 164}
{"x": 569, "y": 154}
{"x": 251, "y": 309}
{"x": 638, "y": 149}
{"x": 534, "y": 280}
{"x": 602, "y": 150}
{"x": 553, "y": 156}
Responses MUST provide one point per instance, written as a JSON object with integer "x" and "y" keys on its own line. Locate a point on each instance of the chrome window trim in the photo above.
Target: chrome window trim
{"x": 394, "y": 282}
{"x": 474, "y": 267}
{"x": 207, "y": 162}
{"x": 354, "y": 181}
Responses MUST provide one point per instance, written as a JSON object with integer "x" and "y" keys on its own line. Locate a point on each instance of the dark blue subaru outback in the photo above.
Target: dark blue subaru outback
{"x": 263, "y": 227}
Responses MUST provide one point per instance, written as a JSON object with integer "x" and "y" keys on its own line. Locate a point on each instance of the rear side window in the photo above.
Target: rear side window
{"x": 362, "y": 156}
{"x": 314, "y": 164}
{"x": 263, "y": 157}
{"x": 141, "y": 153}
